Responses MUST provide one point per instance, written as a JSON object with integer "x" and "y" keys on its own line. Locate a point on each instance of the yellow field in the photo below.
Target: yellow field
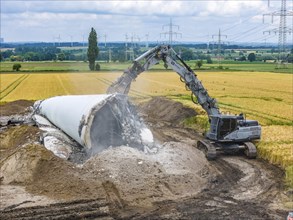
{"x": 266, "y": 97}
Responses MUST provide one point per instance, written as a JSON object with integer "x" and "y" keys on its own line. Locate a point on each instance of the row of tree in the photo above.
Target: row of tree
{"x": 118, "y": 53}
{"x": 46, "y": 54}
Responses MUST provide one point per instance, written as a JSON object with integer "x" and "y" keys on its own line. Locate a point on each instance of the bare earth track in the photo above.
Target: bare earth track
{"x": 231, "y": 187}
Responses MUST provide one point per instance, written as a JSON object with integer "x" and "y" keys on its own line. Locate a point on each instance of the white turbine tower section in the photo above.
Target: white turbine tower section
{"x": 66, "y": 112}
{"x": 97, "y": 121}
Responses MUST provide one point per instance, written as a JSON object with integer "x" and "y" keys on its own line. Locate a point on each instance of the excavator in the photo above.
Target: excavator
{"x": 227, "y": 133}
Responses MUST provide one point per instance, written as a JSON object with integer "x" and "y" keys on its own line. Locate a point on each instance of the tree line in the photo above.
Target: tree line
{"x": 118, "y": 52}
{"x": 34, "y": 53}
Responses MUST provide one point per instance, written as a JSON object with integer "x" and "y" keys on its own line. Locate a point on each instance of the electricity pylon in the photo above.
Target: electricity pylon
{"x": 282, "y": 30}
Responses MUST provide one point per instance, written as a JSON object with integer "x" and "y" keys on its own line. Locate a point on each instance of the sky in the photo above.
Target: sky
{"x": 140, "y": 20}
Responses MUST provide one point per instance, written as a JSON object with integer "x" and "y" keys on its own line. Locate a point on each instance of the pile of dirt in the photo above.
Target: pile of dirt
{"x": 63, "y": 180}
{"x": 43, "y": 173}
{"x": 19, "y": 167}
{"x": 19, "y": 107}
{"x": 166, "y": 110}
{"x": 24, "y": 161}
{"x": 131, "y": 177}
{"x": 15, "y": 137}
{"x": 124, "y": 175}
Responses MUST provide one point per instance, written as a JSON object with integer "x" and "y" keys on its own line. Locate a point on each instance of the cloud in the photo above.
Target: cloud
{"x": 130, "y": 8}
{"x": 42, "y": 20}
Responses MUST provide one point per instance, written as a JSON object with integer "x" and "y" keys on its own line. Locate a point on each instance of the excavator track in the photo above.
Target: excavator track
{"x": 250, "y": 150}
{"x": 208, "y": 148}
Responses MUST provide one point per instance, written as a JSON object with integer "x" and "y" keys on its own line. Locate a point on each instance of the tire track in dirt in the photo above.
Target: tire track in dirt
{"x": 241, "y": 188}
{"x": 217, "y": 200}
{"x": 78, "y": 209}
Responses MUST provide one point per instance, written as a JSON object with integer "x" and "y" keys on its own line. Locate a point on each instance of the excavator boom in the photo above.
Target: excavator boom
{"x": 166, "y": 54}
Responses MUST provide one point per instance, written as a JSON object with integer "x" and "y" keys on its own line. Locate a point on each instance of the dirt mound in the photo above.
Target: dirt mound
{"x": 124, "y": 175}
{"x": 161, "y": 108}
{"x": 24, "y": 161}
{"x": 45, "y": 174}
{"x": 134, "y": 178}
{"x": 19, "y": 167}
{"x": 63, "y": 180}
{"x": 15, "y": 137}
{"x": 16, "y": 107}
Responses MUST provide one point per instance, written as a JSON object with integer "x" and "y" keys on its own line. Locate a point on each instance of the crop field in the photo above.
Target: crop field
{"x": 76, "y": 66}
{"x": 263, "y": 96}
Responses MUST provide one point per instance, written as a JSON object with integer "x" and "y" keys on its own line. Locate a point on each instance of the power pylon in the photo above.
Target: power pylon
{"x": 105, "y": 38}
{"x": 219, "y": 44}
{"x": 71, "y": 40}
{"x": 282, "y": 30}
{"x": 170, "y": 32}
{"x": 130, "y": 49}
{"x": 126, "y": 45}
{"x": 109, "y": 55}
{"x": 147, "y": 41}
{"x": 59, "y": 39}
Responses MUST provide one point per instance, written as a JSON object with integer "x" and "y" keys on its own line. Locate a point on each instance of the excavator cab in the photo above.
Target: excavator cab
{"x": 221, "y": 126}
{"x": 226, "y": 126}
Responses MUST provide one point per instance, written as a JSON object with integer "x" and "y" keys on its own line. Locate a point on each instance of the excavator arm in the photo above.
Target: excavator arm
{"x": 170, "y": 58}
{"x": 192, "y": 83}
{"x": 140, "y": 64}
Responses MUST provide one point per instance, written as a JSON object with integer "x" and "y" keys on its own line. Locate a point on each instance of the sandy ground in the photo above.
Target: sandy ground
{"x": 124, "y": 183}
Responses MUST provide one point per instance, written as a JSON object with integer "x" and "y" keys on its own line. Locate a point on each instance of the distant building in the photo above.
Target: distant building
{"x": 1, "y": 40}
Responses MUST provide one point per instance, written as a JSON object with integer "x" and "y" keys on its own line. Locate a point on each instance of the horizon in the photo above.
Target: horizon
{"x": 144, "y": 42}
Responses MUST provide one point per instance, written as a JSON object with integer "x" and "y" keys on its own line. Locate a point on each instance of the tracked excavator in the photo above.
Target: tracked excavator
{"x": 227, "y": 133}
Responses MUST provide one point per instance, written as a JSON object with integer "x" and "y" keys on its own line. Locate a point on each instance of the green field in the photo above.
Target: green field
{"x": 83, "y": 66}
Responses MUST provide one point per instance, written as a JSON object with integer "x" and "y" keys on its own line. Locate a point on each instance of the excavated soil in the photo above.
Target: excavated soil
{"x": 16, "y": 107}
{"x": 124, "y": 183}
{"x": 166, "y": 110}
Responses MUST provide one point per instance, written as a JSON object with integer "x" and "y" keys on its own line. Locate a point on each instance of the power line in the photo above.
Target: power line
{"x": 235, "y": 25}
{"x": 263, "y": 38}
{"x": 246, "y": 33}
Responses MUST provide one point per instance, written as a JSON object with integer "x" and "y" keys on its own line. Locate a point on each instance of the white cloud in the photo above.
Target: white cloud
{"x": 143, "y": 8}
{"x": 41, "y": 20}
